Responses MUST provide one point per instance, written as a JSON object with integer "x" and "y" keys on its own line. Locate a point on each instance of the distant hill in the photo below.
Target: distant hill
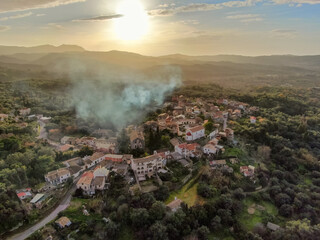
{"x": 309, "y": 62}
{"x": 9, "y": 50}
{"x": 237, "y": 72}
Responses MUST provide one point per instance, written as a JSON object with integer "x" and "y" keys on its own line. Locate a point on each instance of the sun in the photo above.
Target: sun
{"x": 134, "y": 24}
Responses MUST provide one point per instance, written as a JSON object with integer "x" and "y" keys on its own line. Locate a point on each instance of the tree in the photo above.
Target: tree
{"x": 203, "y": 232}
{"x": 162, "y": 193}
{"x": 208, "y": 127}
{"x": 286, "y": 210}
{"x": 139, "y": 217}
{"x": 85, "y": 151}
{"x": 158, "y": 231}
{"x": 157, "y": 211}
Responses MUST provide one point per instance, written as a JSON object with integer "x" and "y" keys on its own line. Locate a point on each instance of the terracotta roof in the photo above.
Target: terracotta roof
{"x": 96, "y": 156}
{"x": 63, "y": 221}
{"x": 86, "y": 178}
{"x": 196, "y": 129}
{"x": 146, "y": 159}
{"x": 190, "y": 147}
{"x": 22, "y": 194}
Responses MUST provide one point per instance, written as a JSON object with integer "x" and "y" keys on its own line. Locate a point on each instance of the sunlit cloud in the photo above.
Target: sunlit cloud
{"x": 284, "y": 33}
{"x": 102, "y": 18}
{"x": 16, "y": 16}
{"x": 18, "y": 5}
{"x": 4, "y": 28}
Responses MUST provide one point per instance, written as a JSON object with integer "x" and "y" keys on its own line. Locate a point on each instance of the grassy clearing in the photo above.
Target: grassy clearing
{"x": 188, "y": 193}
{"x": 248, "y": 220}
{"x": 74, "y": 211}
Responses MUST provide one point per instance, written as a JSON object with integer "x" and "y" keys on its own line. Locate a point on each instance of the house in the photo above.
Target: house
{"x": 121, "y": 169}
{"x": 105, "y": 146}
{"x": 209, "y": 149}
{"x": 85, "y": 182}
{"x": 63, "y": 222}
{"x": 65, "y": 147}
{"x": 229, "y": 134}
{"x": 75, "y": 170}
{"x": 195, "y": 133}
{"x": 213, "y": 134}
{"x": 25, "y": 111}
{"x": 127, "y": 158}
{"x": 3, "y": 117}
{"x": 100, "y": 172}
{"x": 77, "y": 161}
{"x": 175, "y": 204}
{"x": 217, "y": 163}
{"x": 114, "y": 158}
{"x": 163, "y": 152}
{"x": 97, "y": 157}
{"x": 185, "y": 163}
{"x": 137, "y": 140}
{"x": 99, "y": 183}
{"x": 88, "y": 163}
{"x": 147, "y": 166}
{"x": 247, "y": 171}
{"x": 37, "y": 200}
{"x": 174, "y": 142}
{"x": 57, "y": 177}
{"x": 253, "y": 120}
{"x": 24, "y": 194}
{"x": 188, "y": 150}
{"x": 68, "y": 140}
{"x": 272, "y": 226}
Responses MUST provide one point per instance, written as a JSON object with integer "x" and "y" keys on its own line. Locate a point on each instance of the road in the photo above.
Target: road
{"x": 63, "y": 205}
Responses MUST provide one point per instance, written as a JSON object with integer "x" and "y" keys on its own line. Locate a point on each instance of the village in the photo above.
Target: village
{"x": 200, "y": 131}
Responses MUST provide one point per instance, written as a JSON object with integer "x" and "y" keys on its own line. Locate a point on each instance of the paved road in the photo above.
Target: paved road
{"x": 63, "y": 205}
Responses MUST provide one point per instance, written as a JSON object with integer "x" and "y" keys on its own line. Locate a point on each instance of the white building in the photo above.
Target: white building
{"x": 213, "y": 134}
{"x": 195, "y": 133}
{"x": 210, "y": 149}
{"x": 147, "y": 166}
{"x": 57, "y": 176}
{"x": 187, "y": 150}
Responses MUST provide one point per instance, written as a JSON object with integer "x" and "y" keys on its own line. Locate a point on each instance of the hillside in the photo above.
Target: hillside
{"x": 9, "y": 50}
{"x": 229, "y": 71}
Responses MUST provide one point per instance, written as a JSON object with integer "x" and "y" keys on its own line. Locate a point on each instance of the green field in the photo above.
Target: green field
{"x": 188, "y": 193}
{"x": 248, "y": 220}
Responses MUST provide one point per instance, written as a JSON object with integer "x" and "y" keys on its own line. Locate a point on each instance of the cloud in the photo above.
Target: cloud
{"x": 242, "y": 16}
{"x": 53, "y": 26}
{"x": 166, "y": 10}
{"x": 284, "y": 33}
{"x": 18, "y": 5}
{"x": 4, "y": 28}
{"x": 246, "y": 18}
{"x": 16, "y": 16}
{"x": 200, "y": 7}
{"x": 102, "y": 18}
{"x": 298, "y": 2}
{"x": 40, "y": 15}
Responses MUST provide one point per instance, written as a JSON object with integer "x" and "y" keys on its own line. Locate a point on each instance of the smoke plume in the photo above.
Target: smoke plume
{"x": 118, "y": 97}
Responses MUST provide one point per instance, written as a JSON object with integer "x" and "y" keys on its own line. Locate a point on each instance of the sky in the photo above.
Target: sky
{"x": 160, "y": 27}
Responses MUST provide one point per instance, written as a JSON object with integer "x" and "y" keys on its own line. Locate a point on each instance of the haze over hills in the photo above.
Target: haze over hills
{"x": 227, "y": 70}
{"x": 9, "y": 50}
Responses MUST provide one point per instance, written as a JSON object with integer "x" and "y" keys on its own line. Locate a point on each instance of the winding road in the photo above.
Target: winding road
{"x": 63, "y": 205}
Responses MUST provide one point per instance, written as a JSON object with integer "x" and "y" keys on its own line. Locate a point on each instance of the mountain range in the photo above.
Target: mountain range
{"x": 227, "y": 70}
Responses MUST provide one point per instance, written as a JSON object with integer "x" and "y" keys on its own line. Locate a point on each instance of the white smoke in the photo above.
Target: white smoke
{"x": 108, "y": 96}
